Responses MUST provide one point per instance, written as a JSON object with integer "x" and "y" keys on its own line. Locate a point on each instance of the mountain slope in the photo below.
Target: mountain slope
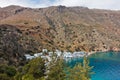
{"x": 14, "y": 45}
{"x": 67, "y": 28}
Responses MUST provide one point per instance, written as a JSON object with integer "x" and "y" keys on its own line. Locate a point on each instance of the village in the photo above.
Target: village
{"x": 45, "y": 54}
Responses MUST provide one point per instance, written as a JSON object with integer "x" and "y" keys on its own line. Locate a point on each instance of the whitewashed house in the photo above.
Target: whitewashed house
{"x": 29, "y": 57}
{"x": 78, "y": 54}
{"x": 58, "y": 53}
{"x": 44, "y": 50}
{"x": 50, "y": 53}
{"x": 38, "y": 54}
{"x": 67, "y": 55}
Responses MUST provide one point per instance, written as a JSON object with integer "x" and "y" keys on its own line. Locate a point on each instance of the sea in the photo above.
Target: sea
{"x": 106, "y": 65}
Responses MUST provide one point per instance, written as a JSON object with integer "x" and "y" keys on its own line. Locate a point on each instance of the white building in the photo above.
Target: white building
{"x": 44, "y": 50}
{"x": 59, "y": 53}
{"x": 29, "y": 57}
{"x": 50, "y": 53}
{"x": 67, "y": 55}
{"x": 38, "y": 54}
{"x": 78, "y": 54}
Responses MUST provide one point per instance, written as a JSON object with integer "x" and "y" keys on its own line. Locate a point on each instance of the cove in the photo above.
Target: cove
{"x": 106, "y": 65}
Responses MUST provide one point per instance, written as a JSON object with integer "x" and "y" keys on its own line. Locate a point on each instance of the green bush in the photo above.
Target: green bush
{"x": 4, "y": 77}
{"x": 8, "y": 70}
{"x": 34, "y": 70}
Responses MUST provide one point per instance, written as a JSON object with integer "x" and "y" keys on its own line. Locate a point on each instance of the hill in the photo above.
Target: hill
{"x": 14, "y": 45}
{"x": 66, "y": 28}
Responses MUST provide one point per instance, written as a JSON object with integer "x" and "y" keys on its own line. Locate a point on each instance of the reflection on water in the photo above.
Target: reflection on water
{"x": 106, "y": 65}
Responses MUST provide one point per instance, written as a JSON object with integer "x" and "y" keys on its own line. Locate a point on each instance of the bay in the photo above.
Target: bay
{"x": 106, "y": 65}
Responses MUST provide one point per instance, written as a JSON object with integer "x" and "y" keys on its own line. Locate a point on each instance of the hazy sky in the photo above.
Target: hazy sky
{"x": 101, "y": 4}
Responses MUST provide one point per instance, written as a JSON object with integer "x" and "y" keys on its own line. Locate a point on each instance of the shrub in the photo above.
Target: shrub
{"x": 8, "y": 70}
{"x": 4, "y": 77}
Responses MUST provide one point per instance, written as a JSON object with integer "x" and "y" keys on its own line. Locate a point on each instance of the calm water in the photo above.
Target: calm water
{"x": 106, "y": 65}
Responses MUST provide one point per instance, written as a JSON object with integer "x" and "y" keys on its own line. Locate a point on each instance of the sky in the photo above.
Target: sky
{"x": 99, "y": 4}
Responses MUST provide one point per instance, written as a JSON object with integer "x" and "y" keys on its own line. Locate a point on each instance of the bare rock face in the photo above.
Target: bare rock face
{"x": 66, "y": 28}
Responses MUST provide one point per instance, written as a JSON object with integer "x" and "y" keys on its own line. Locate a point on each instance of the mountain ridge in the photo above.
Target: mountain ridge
{"x": 67, "y": 28}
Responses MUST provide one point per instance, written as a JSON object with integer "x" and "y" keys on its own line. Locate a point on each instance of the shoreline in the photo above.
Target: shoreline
{"x": 94, "y": 52}
{"x": 65, "y": 54}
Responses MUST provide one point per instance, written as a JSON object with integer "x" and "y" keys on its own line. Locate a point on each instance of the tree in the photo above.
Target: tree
{"x": 81, "y": 71}
{"x": 28, "y": 77}
{"x": 4, "y": 77}
{"x": 10, "y": 71}
{"x": 7, "y": 72}
{"x": 56, "y": 70}
{"x": 35, "y": 67}
{"x": 34, "y": 70}
{"x": 87, "y": 68}
{"x": 18, "y": 76}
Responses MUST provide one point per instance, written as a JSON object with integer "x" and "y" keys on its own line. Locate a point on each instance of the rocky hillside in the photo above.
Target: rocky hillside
{"x": 14, "y": 44}
{"x": 64, "y": 28}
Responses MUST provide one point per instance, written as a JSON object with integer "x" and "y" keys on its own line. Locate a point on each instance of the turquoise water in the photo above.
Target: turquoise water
{"x": 106, "y": 65}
